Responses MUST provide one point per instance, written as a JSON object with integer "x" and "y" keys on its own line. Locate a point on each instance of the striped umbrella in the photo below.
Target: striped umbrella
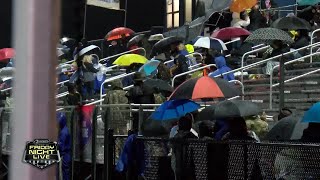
{"x": 210, "y": 43}
{"x": 204, "y": 88}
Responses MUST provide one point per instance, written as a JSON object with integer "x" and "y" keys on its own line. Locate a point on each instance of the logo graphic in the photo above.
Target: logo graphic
{"x": 41, "y": 153}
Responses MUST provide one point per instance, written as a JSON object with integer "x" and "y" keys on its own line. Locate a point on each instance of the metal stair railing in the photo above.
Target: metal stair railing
{"x": 266, "y": 60}
{"x": 311, "y": 41}
{"x": 195, "y": 53}
{"x": 191, "y": 71}
{"x": 286, "y": 63}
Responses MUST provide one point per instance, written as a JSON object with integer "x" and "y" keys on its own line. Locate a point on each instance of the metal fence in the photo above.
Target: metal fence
{"x": 207, "y": 159}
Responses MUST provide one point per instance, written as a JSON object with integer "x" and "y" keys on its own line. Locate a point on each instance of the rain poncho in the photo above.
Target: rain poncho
{"x": 132, "y": 157}
{"x": 222, "y": 68}
{"x": 64, "y": 144}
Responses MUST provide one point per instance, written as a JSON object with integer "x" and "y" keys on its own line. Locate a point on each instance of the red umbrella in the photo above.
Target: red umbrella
{"x": 118, "y": 33}
{"x": 204, "y": 88}
{"x": 229, "y": 33}
{"x": 7, "y": 53}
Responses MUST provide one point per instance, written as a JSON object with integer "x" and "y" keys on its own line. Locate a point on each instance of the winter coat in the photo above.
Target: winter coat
{"x": 222, "y": 68}
{"x": 238, "y": 22}
{"x": 64, "y": 144}
{"x": 141, "y": 94}
{"x": 257, "y": 20}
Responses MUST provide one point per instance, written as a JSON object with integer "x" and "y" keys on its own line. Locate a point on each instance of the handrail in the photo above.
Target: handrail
{"x": 167, "y": 62}
{"x": 112, "y": 79}
{"x": 242, "y": 89}
{"x": 256, "y": 46}
{"x": 297, "y": 77}
{"x": 232, "y": 41}
{"x": 110, "y": 67}
{"x": 265, "y": 60}
{"x": 194, "y": 65}
{"x": 277, "y": 66}
{"x": 194, "y": 70}
{"x": 62, "y": 82}
{"x": 7, "y": 89}
{"x": 61, "y": 95}
{"x": 132, "y": 50}
{"x": 195, "y": 53}
{"x": 311, "y": 42}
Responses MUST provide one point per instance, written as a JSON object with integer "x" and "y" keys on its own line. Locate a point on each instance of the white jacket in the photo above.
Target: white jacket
{"x": 238, "y": 22}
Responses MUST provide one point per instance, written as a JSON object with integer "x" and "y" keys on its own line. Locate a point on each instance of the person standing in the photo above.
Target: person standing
{"x": 88, "y": 76}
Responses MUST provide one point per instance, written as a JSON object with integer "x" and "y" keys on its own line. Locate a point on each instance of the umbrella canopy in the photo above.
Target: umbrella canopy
{"x": 67, "y": 41}
{"x": 210, "y": 43}
{"x": 267, "y": 35}
{"x": 135, "y": 40}
{"x": 164, "y": 44}
{"x": 149, "y": 67}
{"x": 128, "y": 59}
{"x": 174, "y": 109}
{"x": 158, "y": 85}
{"x": 229, "y": 33}
{"x": 313, "y": 114}
{"x": 118, "y": 33}
{"x": 7, "y": 71}
{"x": 7, "y": 53}
{"x": 241, "y": 5}
{"x": 236, "y": 108}
{"x": 288, "y": 128}
{"x": 307, "y": 2}
{"x": 204, "y": 88}
{"x": 156, "y": 37}
{"x": 87, "y": 49}
{"x": 291, "y": 23}
{"x": 206, "y": 113}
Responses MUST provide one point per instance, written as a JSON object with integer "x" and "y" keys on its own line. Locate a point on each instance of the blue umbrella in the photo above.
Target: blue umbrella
{"x": 149, "y": 67}
{"x": 174, "y": 109}
{"x": 312, "y": 115}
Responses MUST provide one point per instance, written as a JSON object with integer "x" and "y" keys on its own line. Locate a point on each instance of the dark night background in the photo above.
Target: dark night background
{"x": 141, "y": 16}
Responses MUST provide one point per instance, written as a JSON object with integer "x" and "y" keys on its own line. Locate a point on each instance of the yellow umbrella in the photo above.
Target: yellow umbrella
{"x": 128, "y": 59}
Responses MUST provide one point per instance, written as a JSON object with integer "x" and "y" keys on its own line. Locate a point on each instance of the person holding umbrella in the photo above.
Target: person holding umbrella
{"x": 180, "y": 66}
{"x": 88, "y": 76}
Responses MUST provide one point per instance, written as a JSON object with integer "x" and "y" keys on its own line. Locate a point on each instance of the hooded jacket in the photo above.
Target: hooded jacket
{"x": 222, "y": 68}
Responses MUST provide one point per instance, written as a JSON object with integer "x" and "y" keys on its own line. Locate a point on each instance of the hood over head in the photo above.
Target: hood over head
{"x": 62, "y": 119}
{"x": 220, "y": 61}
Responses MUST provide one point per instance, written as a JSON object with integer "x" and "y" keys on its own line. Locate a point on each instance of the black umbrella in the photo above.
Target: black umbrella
{"x": 236, "y": 108}
{"x": 158, "y": 85}
{"x": 291, "y": 23}
{"x": 206, "y": 113}
{"x": 135, "y": 40}
{"x": 288, "y": 128}
{"x": 164, "y": 44}
{"x": 268, "y": 35}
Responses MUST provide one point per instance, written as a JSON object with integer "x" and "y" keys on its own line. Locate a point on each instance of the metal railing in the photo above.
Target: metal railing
{"x": 126, "y": 52}
{"x": 195, "y": 53}
{"x": 112, "y": 79}
{"x": 232, "y": 41}
{"x": 311, "y": 41}
{"x": 266, "y": 60}
{"x": 7, "y": 89}
{"x": 191, "y": 71}
{"x": 277, "y": 66}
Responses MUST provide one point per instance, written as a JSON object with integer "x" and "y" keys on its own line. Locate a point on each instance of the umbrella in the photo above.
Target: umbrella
{"x": 156, "y": 37}
{"x": 206, "y": 113}
{"x": 174, "y": 109}
{"x": 236, "y": 108}
{"x": 229, "y": 33}
{"x": 135, "y": 40}
{"x": 158, "y": 84}
{"x": 68, "y": 41}
{"x": 118, "y": 33}
{"x": 267, "y": 35}
{"x": 241, "y": 5}
{"x": 149, "y": 67}
{"x": 210, "y": 43}
{"x": 7, "y": 71}
{"x": 164, "y": 44}
{"x": 128, "y": 59}
{"x": 312, "y": 115}
{"x": 288, "y": 128}
{"x": 60, "y": 52}
{"x": 7, "y": 53}
{"x": 307, "y": 2}
{"x": 291, "y": 23}
{"x": 204, "y": 88}
{"x": 87, "y": 49}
